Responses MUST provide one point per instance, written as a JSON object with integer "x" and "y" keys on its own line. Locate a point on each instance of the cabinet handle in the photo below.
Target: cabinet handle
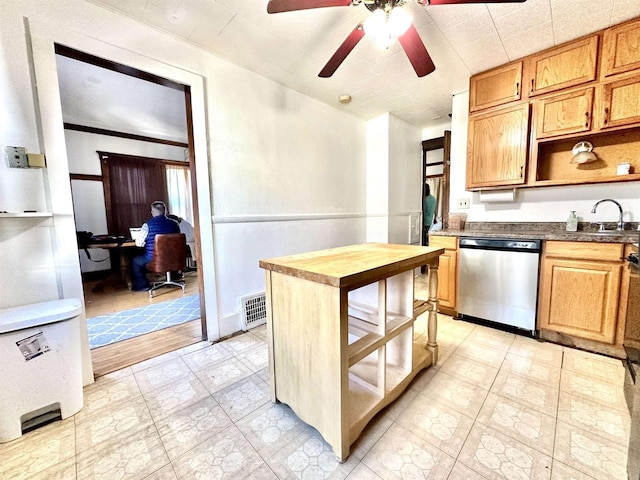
{"x": 532, "y": 85}
{"x": 586, "y": 120}
{"x": 517, "y": 89}
{"x": 606, "y": 115}
{"x": 521, "y": 171}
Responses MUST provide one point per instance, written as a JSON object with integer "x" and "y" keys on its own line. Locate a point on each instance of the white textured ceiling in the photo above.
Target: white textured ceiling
{"x": 291, "y": 48}
{"x": 92, "y": 96}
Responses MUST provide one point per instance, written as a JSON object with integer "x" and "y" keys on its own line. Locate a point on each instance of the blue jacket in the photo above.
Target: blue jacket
{"x": 159, "y": 224}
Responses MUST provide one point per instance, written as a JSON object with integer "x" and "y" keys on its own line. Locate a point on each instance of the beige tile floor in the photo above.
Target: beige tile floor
{"x": 497, "y": 406}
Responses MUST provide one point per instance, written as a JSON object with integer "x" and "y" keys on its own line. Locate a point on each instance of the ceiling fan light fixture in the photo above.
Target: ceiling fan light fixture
{"x": 384, "y": 28}
{"x": 374, "y": 26}
{"x": 399, "y": 21}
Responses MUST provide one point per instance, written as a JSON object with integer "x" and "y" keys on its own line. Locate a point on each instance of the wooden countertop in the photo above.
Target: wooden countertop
{"x": 354, "y": 265}
{"x": 628, "y": 236}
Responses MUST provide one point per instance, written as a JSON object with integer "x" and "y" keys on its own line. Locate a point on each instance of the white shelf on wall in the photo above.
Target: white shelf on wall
{"x": 26, "y": 215}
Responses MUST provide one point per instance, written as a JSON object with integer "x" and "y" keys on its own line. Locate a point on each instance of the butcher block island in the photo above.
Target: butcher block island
{"x": 340, "y": 326}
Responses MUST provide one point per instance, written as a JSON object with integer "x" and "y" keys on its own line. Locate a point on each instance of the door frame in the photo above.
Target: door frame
{"x": 443, "y": 143}
{"x": 42, "y": 40}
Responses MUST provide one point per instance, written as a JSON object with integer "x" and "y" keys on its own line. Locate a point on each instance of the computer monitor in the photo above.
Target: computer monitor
{"x": 135, "y": 232}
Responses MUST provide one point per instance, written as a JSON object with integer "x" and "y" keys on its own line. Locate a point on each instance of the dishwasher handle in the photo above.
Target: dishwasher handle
{"x": 506, "y": 244}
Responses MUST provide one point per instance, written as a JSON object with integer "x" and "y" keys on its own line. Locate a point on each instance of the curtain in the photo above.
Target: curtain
{"x": 179, "y": 192}
{"x": 436, "y": 186}
{"x": 134, "y": 184}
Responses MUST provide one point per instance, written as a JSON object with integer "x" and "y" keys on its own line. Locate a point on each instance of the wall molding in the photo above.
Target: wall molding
{"x": 220, "y": 219}
{"x": 129, "y": 136}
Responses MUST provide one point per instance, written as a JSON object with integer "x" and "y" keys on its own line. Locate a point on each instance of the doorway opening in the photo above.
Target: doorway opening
{"x": 108, "y": 108}
{"x": 436, "y": 161}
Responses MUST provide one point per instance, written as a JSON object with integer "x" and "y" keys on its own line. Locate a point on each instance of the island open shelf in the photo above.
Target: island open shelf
{"x": 340, "y": 325}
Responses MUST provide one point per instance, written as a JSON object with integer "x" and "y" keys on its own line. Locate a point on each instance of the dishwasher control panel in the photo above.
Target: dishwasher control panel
{"x": 501, "y": 244}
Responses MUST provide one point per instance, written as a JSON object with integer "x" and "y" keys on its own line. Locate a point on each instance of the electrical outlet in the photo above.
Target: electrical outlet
{"x": 463, "y": 203}
{"x": 16, "y": 157}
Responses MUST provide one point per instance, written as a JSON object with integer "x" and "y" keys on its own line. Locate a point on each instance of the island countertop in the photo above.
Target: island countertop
{"x": 352, "y": 265}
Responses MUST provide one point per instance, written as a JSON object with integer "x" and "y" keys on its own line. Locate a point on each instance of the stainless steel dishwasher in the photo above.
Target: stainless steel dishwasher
{"x": 498, "y": 281}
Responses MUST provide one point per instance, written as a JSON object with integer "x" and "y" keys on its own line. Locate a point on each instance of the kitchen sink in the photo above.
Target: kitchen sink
{"x": 606, "y": 233}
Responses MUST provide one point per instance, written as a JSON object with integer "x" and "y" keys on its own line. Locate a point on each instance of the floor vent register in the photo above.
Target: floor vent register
{"x": 253, "y": 309}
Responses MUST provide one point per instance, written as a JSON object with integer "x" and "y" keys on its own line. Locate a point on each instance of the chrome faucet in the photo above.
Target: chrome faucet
{"x": 620, "y": 222}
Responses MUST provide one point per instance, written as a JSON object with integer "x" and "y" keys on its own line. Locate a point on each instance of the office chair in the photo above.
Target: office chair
{"x": 169, "y": 255}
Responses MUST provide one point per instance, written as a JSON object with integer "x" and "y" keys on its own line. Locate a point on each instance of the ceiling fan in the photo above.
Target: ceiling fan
{"x": 387, "y": 22}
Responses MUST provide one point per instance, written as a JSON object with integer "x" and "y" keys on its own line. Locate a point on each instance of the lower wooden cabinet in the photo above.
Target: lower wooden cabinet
{"x": 447, "y": 273}
{"x": 580, "y": 290}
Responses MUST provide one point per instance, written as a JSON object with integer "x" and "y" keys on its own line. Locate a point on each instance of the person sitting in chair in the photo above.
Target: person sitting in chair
{"x": 158, "y": 223}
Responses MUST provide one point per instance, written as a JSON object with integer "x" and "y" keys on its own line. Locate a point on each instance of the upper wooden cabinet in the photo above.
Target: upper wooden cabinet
{"x": 563, "y": 114}
{"x": 620, "y": 103}
{"x": 566, "y": 66}
{"x": 495, "y": 87}
{"x": 586, "y": 89}
{"x": 497, "y": 147}
{"x": 621, "y": 48}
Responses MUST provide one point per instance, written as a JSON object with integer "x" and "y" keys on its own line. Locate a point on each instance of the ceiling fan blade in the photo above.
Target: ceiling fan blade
{"x": 458, "y": 2}
{"x": 416, "y": 51}
{"x": 343, "y": 50}
{"x": 278, "y": 6}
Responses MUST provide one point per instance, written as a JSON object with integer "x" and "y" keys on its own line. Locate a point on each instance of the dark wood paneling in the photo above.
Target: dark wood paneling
{"x": 82, "y": 176}
{"x": 194, "y": 200}
{"x": 130, "y": 136}
{"x": 103, "y": 155}
{"x": 433, "y": 144}
{"x": 446, "y": 178}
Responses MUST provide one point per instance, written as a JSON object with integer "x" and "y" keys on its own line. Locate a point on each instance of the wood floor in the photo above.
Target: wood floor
{"x": 110, "y": 295}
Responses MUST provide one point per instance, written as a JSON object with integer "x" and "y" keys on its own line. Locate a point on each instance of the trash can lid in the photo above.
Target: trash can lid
{"x": 36, "y": 314}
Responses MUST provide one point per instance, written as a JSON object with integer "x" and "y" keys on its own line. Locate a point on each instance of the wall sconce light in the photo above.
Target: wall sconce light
{"x": 582, "y": 153}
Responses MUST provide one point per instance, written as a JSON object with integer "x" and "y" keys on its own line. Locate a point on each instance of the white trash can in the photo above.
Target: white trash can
{"x": 40, "y": 365}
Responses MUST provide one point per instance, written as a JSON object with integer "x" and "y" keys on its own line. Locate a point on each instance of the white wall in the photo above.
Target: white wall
{"x": 286, "y": 172}
{"x": 394, "y": 159}
{"x": 436, "y": 131}
{"x": 378, "y": 179}
{"x": 288, "y": 177}
{"x": 82, "y": 148}
{"x": 541, "y": 204}
{"x": 405, "y": 170}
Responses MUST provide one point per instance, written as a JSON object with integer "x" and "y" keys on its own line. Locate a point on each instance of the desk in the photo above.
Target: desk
{"x": 340, "y": 331}
{"x": 123, "y": 249}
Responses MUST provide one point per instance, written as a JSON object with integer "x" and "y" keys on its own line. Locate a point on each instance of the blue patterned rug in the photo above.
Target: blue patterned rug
{"x": 118, "y": 326}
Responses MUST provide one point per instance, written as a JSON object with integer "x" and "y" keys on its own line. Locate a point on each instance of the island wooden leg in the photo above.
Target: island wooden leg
{"x": 432, "y": 330}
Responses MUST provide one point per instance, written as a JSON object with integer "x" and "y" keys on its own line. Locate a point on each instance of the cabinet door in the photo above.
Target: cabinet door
{"x": 497, "y": 147}
{"x": 563, "y": 114}
{"x": 580, "y": 298}
{"x": 621, "y": 48}
{"x": 620, "y": 103}
{"x": 447, "y": 271}
{"x": 495, "y": 87}
{"x": 566, "y": 66}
